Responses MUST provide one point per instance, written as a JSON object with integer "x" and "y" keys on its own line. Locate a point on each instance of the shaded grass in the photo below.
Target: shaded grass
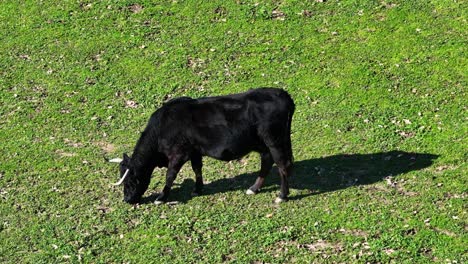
{"x": 371, "y": 80}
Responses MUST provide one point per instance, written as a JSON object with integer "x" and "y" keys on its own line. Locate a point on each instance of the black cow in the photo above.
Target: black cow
{"x": 223, "y": 127}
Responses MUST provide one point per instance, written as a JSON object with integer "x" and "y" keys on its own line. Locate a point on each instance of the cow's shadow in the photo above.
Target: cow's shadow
{"x": 318, "y": 175}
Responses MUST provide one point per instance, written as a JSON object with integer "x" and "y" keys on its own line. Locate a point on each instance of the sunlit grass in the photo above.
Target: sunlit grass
{"x": 379, "y": 133}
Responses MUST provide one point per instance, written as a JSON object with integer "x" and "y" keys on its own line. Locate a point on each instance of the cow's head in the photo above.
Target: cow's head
{"x": 134, "y": 184}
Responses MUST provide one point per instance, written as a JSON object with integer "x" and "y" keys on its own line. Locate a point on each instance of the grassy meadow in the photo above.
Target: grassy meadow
{"x": 379, "y": 133}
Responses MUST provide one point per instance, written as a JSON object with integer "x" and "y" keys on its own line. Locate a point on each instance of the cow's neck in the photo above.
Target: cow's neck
{"x": 144, "y": 152}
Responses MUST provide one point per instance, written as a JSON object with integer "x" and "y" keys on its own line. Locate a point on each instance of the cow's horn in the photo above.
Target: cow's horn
{"x": 123, "y": 178}
{"x": 116, "y": 160}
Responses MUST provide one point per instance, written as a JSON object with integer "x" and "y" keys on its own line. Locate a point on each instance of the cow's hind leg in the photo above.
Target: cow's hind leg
{"x": 267, "y": 163}
{"x": 197, "y": 165}
{"x": 283, "y": 160}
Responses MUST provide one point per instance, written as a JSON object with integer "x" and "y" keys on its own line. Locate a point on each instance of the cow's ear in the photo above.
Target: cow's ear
{"x": 126, "y": 158}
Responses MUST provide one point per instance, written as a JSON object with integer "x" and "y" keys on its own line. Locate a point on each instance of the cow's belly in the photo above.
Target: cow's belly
{"x": 223, "y": 145}
{"x": 226, "y": 154}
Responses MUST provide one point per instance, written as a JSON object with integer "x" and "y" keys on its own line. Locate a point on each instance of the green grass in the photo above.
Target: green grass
{"x": 379, "y": 134}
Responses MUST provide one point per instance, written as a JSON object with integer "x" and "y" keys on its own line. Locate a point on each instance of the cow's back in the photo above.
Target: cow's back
{"x": 270, "y": 104}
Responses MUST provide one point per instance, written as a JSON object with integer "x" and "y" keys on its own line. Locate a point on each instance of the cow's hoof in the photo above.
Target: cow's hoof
{"x": 250, "y": 192}
{"x": 279, "y": 200}
{"x": 157, "y": 202}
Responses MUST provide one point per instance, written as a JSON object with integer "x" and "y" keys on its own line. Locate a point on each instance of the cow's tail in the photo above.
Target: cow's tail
{"x": 291, "y": 107}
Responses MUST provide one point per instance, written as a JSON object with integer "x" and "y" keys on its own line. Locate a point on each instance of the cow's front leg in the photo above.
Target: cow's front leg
{"x": 174, "y": 166}
{"x": 197, "y": 165}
